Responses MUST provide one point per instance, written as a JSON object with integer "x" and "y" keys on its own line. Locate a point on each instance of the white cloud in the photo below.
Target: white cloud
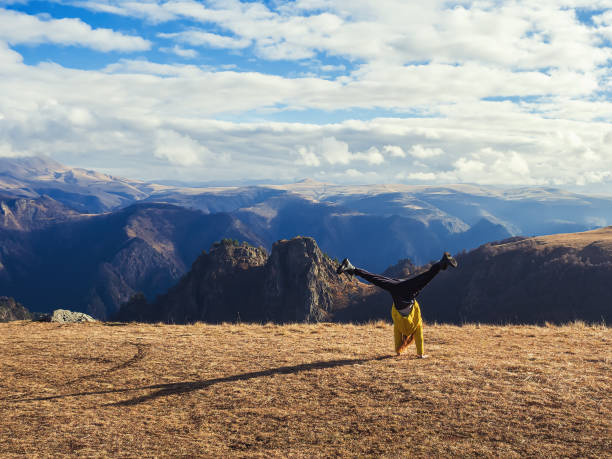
{"x": 421, "y": 176}
{"x": 199, "y": 38}
{"x": 353, "y": 173}
{"x": 394, "y": 151}
{"x": 334, "y": 151}
{"x": 139, "y": 68}
{"x": 308, "y": 157}
{"x": 179, "y": 51}
{"x": 421, "y": 152}
{"x": 333, "y": 68}
{"x": 522, "y": 34}
{"x": 179, "y": 149}
{"x": 152, "y": 11}
{"x": 8, "y": 57}
{"x": 371, "y": 156}
{"x": 469, "y": 168}
{"x": 20, "y": 28}
{"x": 489, "y": 166}
{"x": 485, "y": 92}
{"x": 7, "y": 151}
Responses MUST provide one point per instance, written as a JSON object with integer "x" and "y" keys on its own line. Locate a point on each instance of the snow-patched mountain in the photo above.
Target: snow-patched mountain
{"x": 82, "y": 190}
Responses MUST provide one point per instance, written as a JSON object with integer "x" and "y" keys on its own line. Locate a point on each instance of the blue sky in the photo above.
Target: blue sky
{"x": 388, "y": 91}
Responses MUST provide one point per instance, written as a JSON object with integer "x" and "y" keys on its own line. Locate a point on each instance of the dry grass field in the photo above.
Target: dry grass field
{"x": 102, "y": 390}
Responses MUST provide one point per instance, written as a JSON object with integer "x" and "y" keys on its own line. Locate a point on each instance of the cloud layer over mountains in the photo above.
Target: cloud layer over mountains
{"x": 484, "y": 92}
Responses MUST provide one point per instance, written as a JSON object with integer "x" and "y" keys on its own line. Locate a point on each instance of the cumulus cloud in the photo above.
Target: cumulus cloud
{"x": 395, "y": 151}
{"x": 490, "y": 166}
{"x": 334, "y": 151}
{"x": 307, "y": 157}
{"x": 524, "y": 35}
{"x": 332, "y": 68}
{"x": 20, "y": 28}
{"x": 418, "y": 176}
{"x": 7, "y": 150}
{"x": 372, "y": 156}
{"x": 179, "y": 149}
{"x": 493, "y": 92}
{"x": 353, "y": 173}
{"x": 179, "y": 51}
{"x": 421, "y": 152}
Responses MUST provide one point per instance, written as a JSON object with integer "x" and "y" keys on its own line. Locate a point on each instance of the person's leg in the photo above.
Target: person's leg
{"x": 406, "y": 340}
{"x": 415, "y": 284}
{"x": 418, "y": 339}
{"x": 398, "y": 338}
{"x": 383, "y": 282}
{"x": 401, "y": 341}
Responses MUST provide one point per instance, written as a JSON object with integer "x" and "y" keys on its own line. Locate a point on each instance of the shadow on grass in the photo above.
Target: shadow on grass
{"x": 140, "y": 354}
{"x": 163, "y": 390}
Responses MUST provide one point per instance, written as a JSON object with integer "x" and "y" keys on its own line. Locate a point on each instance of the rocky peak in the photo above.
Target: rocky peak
{"x": 401, "y": 270}
{"x": 11, "y": 310}
{"x": 229, "y": 254}
{"x": 238, "y": 282}
{"x": 298, "y": 281}
{"x": 222, "y": 285}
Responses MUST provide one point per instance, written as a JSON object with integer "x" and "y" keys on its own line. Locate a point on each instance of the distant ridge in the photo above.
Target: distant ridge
{"x": 558, "y": 278}
{"x": 81, "y": 190}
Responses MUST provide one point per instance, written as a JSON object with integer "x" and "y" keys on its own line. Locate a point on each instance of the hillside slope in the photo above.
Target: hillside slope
{"x": 319, "y": 390}
{"x": 75, "y": 238}
{"x": 555, "y": 278}
{"x": 25, "y": 214}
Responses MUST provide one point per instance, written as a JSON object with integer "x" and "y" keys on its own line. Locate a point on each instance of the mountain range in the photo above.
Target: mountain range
{"x": 557, "y": 279}
{"x": 89, "y": 241}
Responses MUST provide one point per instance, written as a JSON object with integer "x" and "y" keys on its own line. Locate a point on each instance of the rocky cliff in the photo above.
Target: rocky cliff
{"x": 222, "y": 285}
{"x": 301, "y": 285}
{"x": 238, "y": 282}
{"x": 25, "y": 214}
{"x": 11, "y": 310}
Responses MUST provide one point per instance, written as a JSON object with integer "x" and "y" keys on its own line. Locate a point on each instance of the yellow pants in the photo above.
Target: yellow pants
{"x": 410, "y": 325}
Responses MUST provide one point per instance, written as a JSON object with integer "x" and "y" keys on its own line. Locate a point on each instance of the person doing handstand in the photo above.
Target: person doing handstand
{"x": 405, "y": 312}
